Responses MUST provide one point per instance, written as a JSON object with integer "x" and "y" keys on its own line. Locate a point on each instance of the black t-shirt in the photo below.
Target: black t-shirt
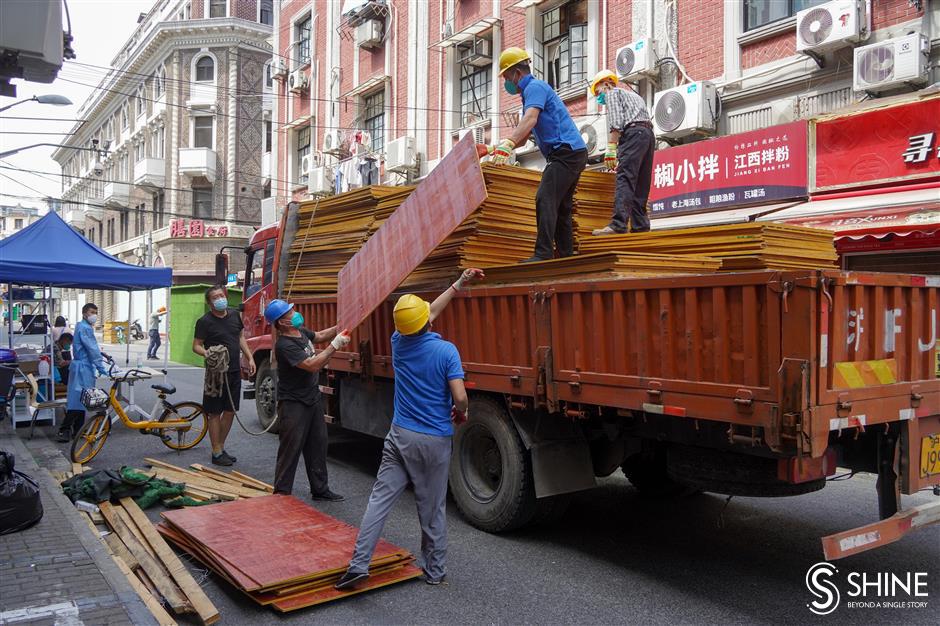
{"x": 221, "y": 331}
{"x": 293, "y": 383}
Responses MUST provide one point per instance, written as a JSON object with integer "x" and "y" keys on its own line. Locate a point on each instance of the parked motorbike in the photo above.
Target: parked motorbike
{"x": 137, "y": 332}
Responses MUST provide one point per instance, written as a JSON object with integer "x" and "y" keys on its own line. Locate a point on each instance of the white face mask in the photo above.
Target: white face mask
{"x": 92, "y": 319}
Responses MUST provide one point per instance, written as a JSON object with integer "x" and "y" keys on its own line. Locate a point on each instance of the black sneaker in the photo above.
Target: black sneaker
{"x": 433, "y": 581}
{"x": 328, "y": 496}
{"x": 230, "y": 456}
{"x": 350, "y": 580}
{"x": 63, "y": 436}
{"x": 221, "y": 459}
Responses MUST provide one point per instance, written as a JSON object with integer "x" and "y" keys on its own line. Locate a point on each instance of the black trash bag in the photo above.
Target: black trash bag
{"x": 20, "y": 505}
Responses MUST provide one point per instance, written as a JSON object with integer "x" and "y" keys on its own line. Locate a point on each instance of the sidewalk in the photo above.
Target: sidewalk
{"x": 58, "y": 572}
{"x": 118, "y": 351}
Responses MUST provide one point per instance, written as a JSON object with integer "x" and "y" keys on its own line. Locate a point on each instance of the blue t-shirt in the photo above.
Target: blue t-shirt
{"x": 554, "y": 127}
{"x": 424, "y": 365}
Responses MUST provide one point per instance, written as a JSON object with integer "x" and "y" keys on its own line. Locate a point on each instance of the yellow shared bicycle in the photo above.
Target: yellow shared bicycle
{"x": 179, "y": 426}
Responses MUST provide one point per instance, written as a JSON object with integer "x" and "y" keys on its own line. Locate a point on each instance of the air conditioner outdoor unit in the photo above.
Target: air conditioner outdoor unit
{"x": 297, "y": 81}
{"x": 594, "y": 132}
{"x": 369, "y": 34}
{"x": 891, "y": 63}
{"x": 279, "y": 69}
{"x": 637, "y": 58}
{"x": 478, "y": 54}
{"x": 400, "y": 154}
{"x": 831, "y": 25}
{"x": 332, "y": 141}
{"x": 476, "y": 131}
{"x": 686, "y": 110}
{"x": 320, "y": 181}
{"x": 306, "y": 164}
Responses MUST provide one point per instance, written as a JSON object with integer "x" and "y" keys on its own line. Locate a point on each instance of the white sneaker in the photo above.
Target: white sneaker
{"x": 607, "y": 230}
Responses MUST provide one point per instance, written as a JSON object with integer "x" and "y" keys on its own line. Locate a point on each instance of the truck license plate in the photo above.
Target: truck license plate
{"x": 930, "y": 456}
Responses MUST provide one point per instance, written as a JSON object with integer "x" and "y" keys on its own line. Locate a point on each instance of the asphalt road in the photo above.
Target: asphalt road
{"x": 613, "y": 558}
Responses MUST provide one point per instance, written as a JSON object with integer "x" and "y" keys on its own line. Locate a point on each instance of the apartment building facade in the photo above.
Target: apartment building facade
{"x": 14, "y": 218}
{"x": 180, "y": 124}
{"x": 352, "y": 77}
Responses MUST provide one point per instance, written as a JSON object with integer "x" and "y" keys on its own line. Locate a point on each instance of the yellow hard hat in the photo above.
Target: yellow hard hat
{"x": 601, "y": 76}
{"x": 411, "y": 314}
{"x": 510, "y": 57}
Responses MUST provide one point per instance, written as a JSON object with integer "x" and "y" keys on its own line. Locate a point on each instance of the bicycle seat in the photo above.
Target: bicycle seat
{"x": 167, "y": 389}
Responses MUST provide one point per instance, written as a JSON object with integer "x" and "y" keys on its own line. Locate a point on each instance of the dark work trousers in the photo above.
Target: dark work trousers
{"x": 302, "y": 431}
{"x": 154, "y": 343}
{"x": 634, "y": 172}
{"x": 554, "y": 202}
{"x": 73, "y": 422}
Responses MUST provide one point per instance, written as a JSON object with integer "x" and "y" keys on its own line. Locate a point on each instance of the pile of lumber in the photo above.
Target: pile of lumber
{"x": 603, "y": 265}
{"x": 593, "y": 204}
{"x": 207, "y": 484}
{"x": 151, "y": 567}
{"x": 280, "y": 551}
{"x": 739, "y": 247}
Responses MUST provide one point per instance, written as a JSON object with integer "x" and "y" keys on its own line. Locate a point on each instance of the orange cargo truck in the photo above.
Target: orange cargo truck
{"x": 753, "y": 383}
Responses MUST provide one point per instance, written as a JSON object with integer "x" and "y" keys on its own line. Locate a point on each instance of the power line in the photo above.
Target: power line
{"x": 43, "y": 119}
{"x": 19, "y": 183}
{"x": 26, "y": 132}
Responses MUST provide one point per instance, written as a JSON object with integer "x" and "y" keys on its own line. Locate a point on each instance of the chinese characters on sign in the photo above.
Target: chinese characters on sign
{"x": 196, "y": 229}
{"x": 750, "y": 168}
{"x": 919, "y": 148}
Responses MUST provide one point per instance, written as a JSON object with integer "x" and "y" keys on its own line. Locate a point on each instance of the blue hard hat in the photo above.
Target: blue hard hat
{"x": 276, "y": 310}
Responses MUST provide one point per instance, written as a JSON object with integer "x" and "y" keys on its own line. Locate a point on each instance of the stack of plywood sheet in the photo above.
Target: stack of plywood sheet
{"x": 207, "y": 484}
{"x": 738, "y": 246}
{"x": 280, "y": 551}
{"x": 603, "y": 265}
{"x": 593, "y": 204}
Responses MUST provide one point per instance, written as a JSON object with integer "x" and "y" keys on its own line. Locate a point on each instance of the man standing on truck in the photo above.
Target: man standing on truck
{"x": 222, "y": 326}
{"x": 299, "y": 406}
{"x": 545, "y": 116}
{"x": 429, "y": 399}
{"x": 630, "y": 148}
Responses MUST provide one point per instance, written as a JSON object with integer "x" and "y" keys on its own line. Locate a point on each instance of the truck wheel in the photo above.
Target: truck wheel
{"x": 265, "y": 402}
{"x": 490, "y": 471}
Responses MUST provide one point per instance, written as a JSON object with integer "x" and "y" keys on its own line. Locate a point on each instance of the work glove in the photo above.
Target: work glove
{"x": 468, "y": 275}
{"x": 459, "y": 417}
{"x": 610, "y": 157}
{"x": 502, "y": 151}
{"x": 341, "y": 340}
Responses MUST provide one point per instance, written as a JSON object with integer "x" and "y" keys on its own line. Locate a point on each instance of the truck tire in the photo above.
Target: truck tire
{"x": 490, "y": 470}
{"x": 265, "y": 403}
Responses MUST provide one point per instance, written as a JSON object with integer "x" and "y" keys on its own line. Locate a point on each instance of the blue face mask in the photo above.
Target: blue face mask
{"x": 220, "y": 305}
{"x": 510, "y": 87}
{"x": 296, "y": 320}
{"x": 602, "y": 98}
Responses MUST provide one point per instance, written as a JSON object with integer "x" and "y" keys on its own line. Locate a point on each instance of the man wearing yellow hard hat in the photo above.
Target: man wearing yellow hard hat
{"x": 630, "y": 147}
{"x": 545, "y": 116}
{"x": 430, "y": 399}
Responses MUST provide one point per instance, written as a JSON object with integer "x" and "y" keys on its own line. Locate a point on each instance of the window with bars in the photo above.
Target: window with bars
{"x": 302, "y": 41}
{"x": 266, "y": 12}
{"x": 757, "y": 13}
{"x": 373, "y": 114}
{"x": 202, "y": 202}
{"x": 205, "y": 70}
{"x": 475, "y": 94}
{"x": 303, "y": 149}
{"x": 561, "y": 45}
{"x": 218, "y": 8}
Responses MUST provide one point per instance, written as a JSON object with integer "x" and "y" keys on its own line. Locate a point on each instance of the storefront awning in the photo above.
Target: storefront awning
{"x": 729, "y": 216}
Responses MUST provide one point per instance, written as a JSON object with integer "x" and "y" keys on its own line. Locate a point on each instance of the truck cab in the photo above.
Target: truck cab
{"x": 259, "y": 288}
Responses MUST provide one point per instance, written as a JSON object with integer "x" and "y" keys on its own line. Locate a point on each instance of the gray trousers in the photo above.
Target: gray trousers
{"x": 302, "y": 431}
{"x": 423, "y": 460}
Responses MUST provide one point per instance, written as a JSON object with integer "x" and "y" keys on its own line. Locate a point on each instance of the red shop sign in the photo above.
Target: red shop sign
{"x": 734, "y": 170}
{"x": 196, "y": 229}
{"x": 879, "y": 146}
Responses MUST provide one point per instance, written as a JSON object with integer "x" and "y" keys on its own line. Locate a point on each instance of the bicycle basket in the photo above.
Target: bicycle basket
{"x": 94, "y": 398}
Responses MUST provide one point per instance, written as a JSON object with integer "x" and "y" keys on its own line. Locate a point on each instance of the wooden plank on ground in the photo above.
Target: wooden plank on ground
{"x": 133, "y": 528}
{"x": 254, "y": 481}
{"x": 154, "y": 570}
{"x": 197, "y": 597}
{"x": 118, "y": 549}
{"x": 222, "y": 476}
{"x": 159, "y": 613}
{"x": 77, "y": 468}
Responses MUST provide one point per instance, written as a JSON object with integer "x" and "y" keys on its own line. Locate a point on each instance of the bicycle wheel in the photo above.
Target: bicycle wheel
{"x": 178, "y": 439}
{"x": 90, "y": 438}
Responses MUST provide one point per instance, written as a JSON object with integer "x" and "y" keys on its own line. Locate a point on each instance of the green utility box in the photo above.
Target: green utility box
{"x": 188, "y": 304}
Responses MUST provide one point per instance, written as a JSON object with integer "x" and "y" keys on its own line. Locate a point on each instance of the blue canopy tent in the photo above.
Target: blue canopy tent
{"x": 49, "y": 253}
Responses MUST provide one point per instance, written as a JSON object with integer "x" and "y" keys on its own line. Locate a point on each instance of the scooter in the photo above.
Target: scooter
{"x": 137, "y": 332}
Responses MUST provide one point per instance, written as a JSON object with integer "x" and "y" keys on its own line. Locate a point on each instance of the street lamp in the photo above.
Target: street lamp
{"x": 53, "y": 99}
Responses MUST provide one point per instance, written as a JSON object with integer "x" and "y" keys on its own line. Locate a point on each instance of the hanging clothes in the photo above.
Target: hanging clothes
{"x": 368, "y": 170}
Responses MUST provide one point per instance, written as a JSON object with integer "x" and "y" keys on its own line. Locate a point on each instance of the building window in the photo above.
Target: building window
{"x": 563, "y": 45}
{"x": 111, "y": 232}
{"x": 302, "y": 41}
{"x": 205, "y": 70}
{"x": 374, "y": 119}
{"x": 760, "y": 12}
{"x": 140, "y": 101}
{"x": 140, "y": 219}
{"x": 266, "y": 12}
{"x": 139, "y": 152}
{"x": 268, "y": 135}
{"x": 159, "y": 210}
{"x": 159, "y": 82}
{"x": 303, "y": 150}
{"x": 125, "y": 225}
{"x": 202, "y": 202}
{"x": 474, "y": 94}
{"x": 17, "y": 223}
{"x": 124, "y": 116}
{"x": 203, "y": 131}
{"x": 218, "y": 8}
{"x": 268, "y": 76}
{"x": 158, "y": 143}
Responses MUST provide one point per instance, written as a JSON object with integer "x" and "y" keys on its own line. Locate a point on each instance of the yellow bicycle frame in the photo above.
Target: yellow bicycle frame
{"x": 176, "y": 424}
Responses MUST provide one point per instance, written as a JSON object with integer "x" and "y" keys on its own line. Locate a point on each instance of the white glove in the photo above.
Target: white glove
{"x": 467, "y": 275}
{"x": 341, "y": 340}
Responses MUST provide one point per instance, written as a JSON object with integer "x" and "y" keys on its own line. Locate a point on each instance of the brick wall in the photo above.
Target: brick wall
{"x": 372, "y": 60}
{"x": 288, "y": 108}
{"x": 198, "y": 7}
{"x": 244, "y": 9}
{"x": 469, "y": 11}
{"x": 767, "y": 50}
{"x": 347, "y": 111}
{"x": 885, "y": 13}
{"x": 513, "y": 35}
{"x": 701, "y": 33}
{"x": 399, "y": 87}
{"x": 436, "y": 60}
{"x": 619, "y": 30}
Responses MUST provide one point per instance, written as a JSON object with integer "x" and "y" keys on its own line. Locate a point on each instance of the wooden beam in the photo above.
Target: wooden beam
{"x": 159, "y": 613}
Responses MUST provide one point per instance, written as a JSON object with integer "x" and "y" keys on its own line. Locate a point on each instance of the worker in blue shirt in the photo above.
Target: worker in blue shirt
{"x": 84, "y": 369}
{"x": 545, "y": 116}
{"x": 430, "y": 399}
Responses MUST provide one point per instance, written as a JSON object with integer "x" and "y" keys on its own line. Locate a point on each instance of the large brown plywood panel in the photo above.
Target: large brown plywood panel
{"x": 441, "y": 202}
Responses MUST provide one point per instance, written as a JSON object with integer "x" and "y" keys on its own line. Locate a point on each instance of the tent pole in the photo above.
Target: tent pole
{"x": 127, "y": 329}
{"x": 50, "y": 321}
{"x": 166, "y": 350}
{"x": 10, "y": 312}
